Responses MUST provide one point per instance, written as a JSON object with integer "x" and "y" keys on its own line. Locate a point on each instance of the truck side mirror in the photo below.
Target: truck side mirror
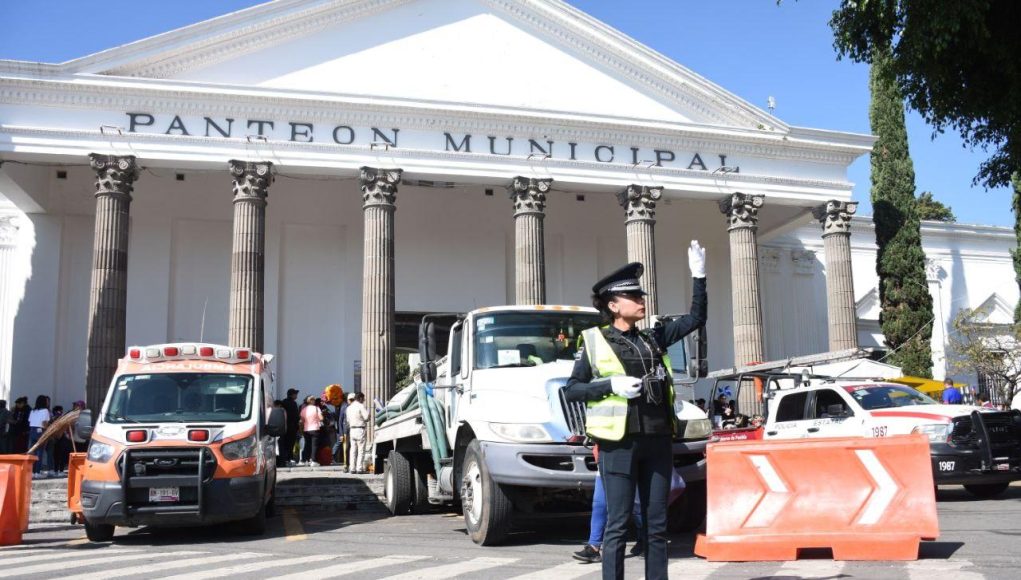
{"x": 84, "y": 424}
{"x": 427, "y": 351}
{"x": 276, "y": 423}
{"x": 698, "y": 363}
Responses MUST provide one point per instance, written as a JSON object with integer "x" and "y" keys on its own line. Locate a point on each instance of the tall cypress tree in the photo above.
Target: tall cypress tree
{"x": 906, "y": 315}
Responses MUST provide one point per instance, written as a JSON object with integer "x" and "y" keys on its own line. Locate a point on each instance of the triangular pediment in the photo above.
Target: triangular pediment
{"x": 994, "y": 310}
{"x": 868, "y": 307}
{"x": 530, "y": 55}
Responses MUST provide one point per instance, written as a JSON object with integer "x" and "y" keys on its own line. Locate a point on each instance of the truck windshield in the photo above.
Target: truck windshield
{"x": 872, "y": 397}
{"x": 518, "y": 339}
{"x": 180, "y": 397}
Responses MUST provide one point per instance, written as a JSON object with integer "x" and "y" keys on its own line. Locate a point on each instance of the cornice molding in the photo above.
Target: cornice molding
{"x": 191, "y": 100}
{"x": 329, "y": 155}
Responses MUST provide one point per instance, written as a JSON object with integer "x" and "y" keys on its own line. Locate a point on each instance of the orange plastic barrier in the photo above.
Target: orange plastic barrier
{"x": 22, "y": 464}
{"x": 10, "y": 523}
{"x": 75, "y": 475}
{"x": 865, "y": 499}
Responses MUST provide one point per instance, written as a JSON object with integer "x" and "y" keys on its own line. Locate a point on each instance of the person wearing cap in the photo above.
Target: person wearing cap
{"x": 290, "y": 405}
{"x": 357, "y": 423}
{"x": 623, "y": 376}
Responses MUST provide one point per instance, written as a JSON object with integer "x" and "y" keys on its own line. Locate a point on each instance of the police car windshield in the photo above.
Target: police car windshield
{"x": 872, "y": 397}
{"x": 519, "y": 339}
{"x": 180, "y": 397}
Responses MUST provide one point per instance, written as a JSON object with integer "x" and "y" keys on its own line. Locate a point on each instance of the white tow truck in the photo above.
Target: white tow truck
{"x": 971, "y": 446}
{"x": 486, "y": 428}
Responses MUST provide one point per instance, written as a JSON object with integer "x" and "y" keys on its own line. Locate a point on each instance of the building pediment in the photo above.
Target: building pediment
{"x": 994, "y": 310}
{"x": 519, "y": 54}
{"x": 868, "y": 307}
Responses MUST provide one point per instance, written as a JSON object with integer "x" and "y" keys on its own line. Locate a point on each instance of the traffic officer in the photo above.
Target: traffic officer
{"x": 623, "y": 375}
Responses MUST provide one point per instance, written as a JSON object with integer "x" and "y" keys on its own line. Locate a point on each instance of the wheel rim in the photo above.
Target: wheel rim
{"x": 471, "y": 494}
{"x": 388, "y": 486}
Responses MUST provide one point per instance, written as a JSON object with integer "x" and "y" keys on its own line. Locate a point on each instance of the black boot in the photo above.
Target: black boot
{"x": 589, "y": 555}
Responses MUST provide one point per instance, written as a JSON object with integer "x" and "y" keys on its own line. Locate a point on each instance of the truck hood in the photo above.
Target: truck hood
{"x": 520, "y": 394}
{"x": 932, "y": 413}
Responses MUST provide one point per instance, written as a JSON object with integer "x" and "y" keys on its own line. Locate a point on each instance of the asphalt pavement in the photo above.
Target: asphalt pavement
{"x": 979, "y": 539}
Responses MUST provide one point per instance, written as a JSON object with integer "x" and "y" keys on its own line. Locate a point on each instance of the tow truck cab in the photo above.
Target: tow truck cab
{"x": 186, "y": 436}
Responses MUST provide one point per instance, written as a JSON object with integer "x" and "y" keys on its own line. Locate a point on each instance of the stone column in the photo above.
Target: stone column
{"x": 379, "y": 192}
{"x": 9, "y": 277}
{"x": 639, "y": 203}
{"x": 529, "y": 197}
{"x": 115, "y": 180}
{"x": 742, "y": 213}
{"x": 836, "y": 234}
{"x": 248, "y": 257}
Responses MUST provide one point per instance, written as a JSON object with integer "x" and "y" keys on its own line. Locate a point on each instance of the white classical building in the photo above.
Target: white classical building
{"x": 307, "y": 177}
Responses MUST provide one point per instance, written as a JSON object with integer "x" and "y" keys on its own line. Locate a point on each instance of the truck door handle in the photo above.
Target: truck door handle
{"x": 813, "y": 429}
{"x": 770, "y": 433}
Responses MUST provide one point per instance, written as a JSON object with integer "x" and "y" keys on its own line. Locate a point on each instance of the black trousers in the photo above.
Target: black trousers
{"x": 645, "y": 462}
{"x": 311, "y": 446}
{"x": 287, "y": 447}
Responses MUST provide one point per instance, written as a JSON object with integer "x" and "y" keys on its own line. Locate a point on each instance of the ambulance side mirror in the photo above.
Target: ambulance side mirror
{"x": 84, "y": 424}
{"x": 276, "y": 424}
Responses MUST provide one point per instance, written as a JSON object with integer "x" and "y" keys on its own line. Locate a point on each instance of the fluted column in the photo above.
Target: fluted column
{"x": 9, "y": 276}
{"x": 248, "y": 257}
{"x": 529, "y": 197}
{"x": 115, "y": 180}
{"x": 835, "y": 217}
{"x": 379, "y": 194}
{"x": 639, "y": 203}
{"x": 742, "y": 213}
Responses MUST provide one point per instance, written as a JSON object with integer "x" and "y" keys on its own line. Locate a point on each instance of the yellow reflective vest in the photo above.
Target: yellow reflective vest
{"x": 607, "y": 418}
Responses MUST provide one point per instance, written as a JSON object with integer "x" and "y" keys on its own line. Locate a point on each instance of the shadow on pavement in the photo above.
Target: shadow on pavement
{"x": 959, "y": 494}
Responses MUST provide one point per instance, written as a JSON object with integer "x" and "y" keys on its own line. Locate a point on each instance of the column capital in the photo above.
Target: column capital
{"x": 742, "y": 210}
{"x": 529, "y": 194}
{"x": 379, "y": 186}
{"x": 9, "y": 227}
{"x": 115, "y": 174}
{"x": 835, "y": 216}
{"x": 639, "y": 201}
{"x": 251, "y": 179}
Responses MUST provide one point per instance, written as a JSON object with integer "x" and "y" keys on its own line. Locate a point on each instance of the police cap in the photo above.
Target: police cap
{"x": 622, "y": 280}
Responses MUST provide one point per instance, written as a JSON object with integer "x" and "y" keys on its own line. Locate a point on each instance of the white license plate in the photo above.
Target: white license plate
{"x": 164, "y": 494}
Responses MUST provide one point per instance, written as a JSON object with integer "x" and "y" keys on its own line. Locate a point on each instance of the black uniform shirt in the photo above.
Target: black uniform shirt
{"x": 639, "y": 358}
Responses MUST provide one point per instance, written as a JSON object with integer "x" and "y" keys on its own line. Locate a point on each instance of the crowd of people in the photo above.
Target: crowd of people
{"x": 323, "y": 432}
{"x": 23, "y": 425}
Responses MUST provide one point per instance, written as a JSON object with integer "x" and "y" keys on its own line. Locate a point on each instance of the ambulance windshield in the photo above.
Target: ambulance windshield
{"x": 180, "y": 397}
{"x": 525, "y": 339}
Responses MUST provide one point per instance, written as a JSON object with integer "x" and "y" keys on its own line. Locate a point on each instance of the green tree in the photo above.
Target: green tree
{"x": 930, "y": 208}
{"x": 906, "y": 306}
{"x": 402, "y": 370}
{"x": 990, "y": 350}
{"x": 1016, "y": 252}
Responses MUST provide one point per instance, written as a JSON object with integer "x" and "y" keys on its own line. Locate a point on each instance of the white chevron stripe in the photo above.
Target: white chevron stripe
{"x": 883, "y": 494}
{"x": 25, "y": 556}
{"x": 768, "y": 472}
{"x": 452, "y": 570}
{"x": 249, "y": 567}
{"x": 351, "y": 567}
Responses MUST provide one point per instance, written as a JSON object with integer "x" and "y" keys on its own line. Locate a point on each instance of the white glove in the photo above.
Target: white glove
{"x": 696, "y": 260}
{"x": 627, "y": 387}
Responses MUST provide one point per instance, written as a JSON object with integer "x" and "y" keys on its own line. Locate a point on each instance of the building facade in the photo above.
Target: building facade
{"x": 308, "y": 177}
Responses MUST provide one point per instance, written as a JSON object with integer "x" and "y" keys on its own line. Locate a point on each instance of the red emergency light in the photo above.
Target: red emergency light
{"x": 137, "y": 436}
{"x": 135, "y": 353}
{"x": 243, "y": 354}
{"x": 206, "y": 351}
{"x": 198, "y": 435}
{"x": 171, "y": 351}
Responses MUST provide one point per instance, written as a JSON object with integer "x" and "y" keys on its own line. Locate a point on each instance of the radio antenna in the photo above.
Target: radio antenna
{"x": 202, "y": 328}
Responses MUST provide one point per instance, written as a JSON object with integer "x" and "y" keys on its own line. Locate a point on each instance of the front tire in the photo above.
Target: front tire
{"x": 398, "y": 485}
{"x": 98, "y": 532}
{"x": 987, "y": 490}
{"x": 487, "y": 509}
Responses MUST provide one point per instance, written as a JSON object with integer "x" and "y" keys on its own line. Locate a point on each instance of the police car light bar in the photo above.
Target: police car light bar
{"x": 162, "y": 352}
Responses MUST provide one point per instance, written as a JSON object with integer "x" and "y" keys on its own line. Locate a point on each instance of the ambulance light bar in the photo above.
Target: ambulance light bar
{"x": 189, "y": 351}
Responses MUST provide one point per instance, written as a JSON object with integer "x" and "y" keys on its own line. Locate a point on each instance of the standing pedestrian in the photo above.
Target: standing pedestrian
{"x": 311, "y": 423}
{"x": 291, "y": 432}
{"x": 340, "y": 447}
{"x": 357, "y": 423}
{"x": 59, "y": 445}
{"x": 624, "y": 378}
{"x": 38, "y": 420}
{"x": 19, "y": 425}
{"x": 951, "y": 394}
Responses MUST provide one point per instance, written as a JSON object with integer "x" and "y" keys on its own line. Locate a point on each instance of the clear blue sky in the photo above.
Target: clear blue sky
{"x": 752, "y": 48}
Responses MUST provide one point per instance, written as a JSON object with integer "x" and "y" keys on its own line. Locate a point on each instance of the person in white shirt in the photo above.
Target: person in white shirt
{"x": 38, "y": 421}
{"x": 357, "y": 423}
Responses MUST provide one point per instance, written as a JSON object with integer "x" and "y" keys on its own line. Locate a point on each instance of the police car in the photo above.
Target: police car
{"x": 971, "y": 446}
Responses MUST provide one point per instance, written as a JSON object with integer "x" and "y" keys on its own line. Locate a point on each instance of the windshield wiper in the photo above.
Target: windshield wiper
{"x": 512, "y": 365}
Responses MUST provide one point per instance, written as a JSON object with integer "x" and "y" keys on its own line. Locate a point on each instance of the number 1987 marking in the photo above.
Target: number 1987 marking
{"x": 879, "y": 431}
